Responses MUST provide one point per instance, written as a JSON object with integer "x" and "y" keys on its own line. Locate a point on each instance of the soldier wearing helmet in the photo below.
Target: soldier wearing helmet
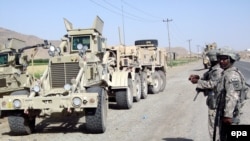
{"x": 229, "y": 92}
{"x": 207, "y": 84}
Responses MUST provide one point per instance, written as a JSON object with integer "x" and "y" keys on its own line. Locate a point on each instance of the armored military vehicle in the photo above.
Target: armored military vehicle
{"x": 135, "y": 70}
{"x": 14, "y": 78}
{"x": 153, "y": 62}
{"x": 13, "y": 65}
{"x": 71, "y": 85}
{"x": 206, "y": 61}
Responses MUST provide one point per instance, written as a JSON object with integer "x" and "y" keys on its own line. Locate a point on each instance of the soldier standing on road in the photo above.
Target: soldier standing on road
{"x": 208, "y": 84}
{"x": 232, "y": 92}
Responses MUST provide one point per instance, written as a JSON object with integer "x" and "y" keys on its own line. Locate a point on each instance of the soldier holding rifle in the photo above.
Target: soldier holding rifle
{"x": 232, "y": 91}
{"x": 207, "y": 84}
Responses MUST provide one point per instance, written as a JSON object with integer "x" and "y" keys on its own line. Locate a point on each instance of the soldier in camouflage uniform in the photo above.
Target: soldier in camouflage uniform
{"x": 207, "y": 84}
{"x": 230, "y": 93}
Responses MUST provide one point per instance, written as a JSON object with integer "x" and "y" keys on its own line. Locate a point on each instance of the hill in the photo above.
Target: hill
{"x": 29, "y": 40}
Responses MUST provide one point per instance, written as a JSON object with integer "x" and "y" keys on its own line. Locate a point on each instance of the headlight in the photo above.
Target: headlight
{"x": 51, "y": 53}
{"x": 76, "y": 101}
{"x": 82, "y": 49}
{"x": 52, "y": 48}
{"x": 58, "y": 50}
{"x": 85, "y": 48}
{"x": 67, "y": 87}
{"x": 17, "y": 103}
{"x": 79, "y": 46}
{"x": 36, "y": 88}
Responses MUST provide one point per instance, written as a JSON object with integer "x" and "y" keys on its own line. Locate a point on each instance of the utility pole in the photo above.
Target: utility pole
{"x": 189, "y": 47}
{"x": 123, "y": 25}
{"x": 167, "y": 21}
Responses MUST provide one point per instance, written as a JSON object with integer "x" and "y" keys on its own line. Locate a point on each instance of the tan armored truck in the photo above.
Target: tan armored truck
{"x": 206, "y": 61}
{"x": 71, "y": 85}
{"x": 14, "y": 61}
{"x": 13, "y": 67}
{"x": 135, "y": 71}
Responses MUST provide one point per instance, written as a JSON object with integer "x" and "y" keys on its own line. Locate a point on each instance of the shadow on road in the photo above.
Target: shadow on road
{"x": 57, "y": 125}
{"x": 176, "y": 139}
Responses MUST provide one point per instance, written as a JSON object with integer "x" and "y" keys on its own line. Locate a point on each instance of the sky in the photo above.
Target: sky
{"x": 192, "y": 23}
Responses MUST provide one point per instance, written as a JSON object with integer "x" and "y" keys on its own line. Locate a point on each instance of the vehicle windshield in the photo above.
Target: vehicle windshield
{"x": 3, "y": 59}
{"x": 84, "y": 40}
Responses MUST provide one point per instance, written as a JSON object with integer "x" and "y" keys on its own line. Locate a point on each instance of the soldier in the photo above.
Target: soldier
{"x": 208, "y": 84}
{"x": 231, "y": 92}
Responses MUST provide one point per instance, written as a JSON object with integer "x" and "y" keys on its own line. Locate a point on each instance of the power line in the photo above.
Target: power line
{"x": 146, "y": 13}
{"x": 126, "y": 14}
{"x": 132, "y": 15}
{"x": 180, "y": 36}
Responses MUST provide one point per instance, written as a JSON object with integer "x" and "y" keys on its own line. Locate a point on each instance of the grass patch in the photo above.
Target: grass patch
{"x": 181, "y": 61}
{"x": 37, "y": 71}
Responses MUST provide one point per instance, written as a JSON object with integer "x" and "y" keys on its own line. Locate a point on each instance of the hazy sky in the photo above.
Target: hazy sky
{"x": 226, "y": 22}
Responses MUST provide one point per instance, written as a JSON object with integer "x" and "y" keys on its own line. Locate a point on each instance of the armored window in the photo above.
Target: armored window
{"x": 3, "y": 59}
{"x": 84, "y": 40}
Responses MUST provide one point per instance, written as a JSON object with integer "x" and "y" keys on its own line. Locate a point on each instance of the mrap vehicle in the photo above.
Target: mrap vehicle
{"x": 72, "y": 84}
{"x": 134, "y": 71}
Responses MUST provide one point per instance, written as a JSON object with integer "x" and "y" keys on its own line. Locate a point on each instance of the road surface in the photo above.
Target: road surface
{"x": 171, "y": 115}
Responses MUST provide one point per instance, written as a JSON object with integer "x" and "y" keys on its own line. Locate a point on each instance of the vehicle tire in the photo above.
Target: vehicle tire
{"x": 205, "y": 66}
{"x": 137, "y": 88}
{"x": 96, "y": 118}
{"x": 164, "y": 81}
{"x": 144, "y": 85}
{"x": 21, "y": 124}
{"x": 157, "y": 83}
{"x": 124, "y": 97}
{"x": 145, "y": 42}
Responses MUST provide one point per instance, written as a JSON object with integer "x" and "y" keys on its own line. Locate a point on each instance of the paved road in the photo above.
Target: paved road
{"x": 244, "y": 67}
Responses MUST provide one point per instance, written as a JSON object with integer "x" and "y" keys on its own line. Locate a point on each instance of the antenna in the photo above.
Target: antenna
{"x": 123, "y": 24}
{"x": 120, "y": 40}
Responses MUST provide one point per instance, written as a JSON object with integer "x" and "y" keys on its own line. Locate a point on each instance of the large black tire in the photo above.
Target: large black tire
{"x": 146, "y": 42}
{"x": 124, "y": 97}
{"x": 144, "y": 85}
{"x": 164, "y": 80}
{"x": 157, "y": 83}
{"x": 96, "y": 118}
{"x": 21, "y": 124}
{"x": 137, "y": 88}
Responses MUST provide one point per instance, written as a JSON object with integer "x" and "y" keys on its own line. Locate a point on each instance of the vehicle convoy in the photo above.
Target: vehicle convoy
{"x": 135, "y": 70}
{"x": 71, "y": 85}
{"x": 206, "y": 61}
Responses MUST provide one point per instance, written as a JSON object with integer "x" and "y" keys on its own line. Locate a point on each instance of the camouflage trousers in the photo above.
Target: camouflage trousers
{"x": 211, "y": 124}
